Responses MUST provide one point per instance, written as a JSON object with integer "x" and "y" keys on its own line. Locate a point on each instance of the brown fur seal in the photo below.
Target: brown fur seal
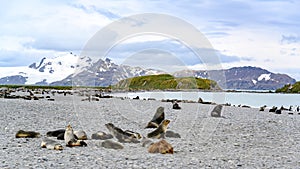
{"x": 122, "y": 136}
{"x": 160, "y": 131}
{"x": 27, "y": 134}
{"x": 80, "y": 134}
{"x": 101, "y": 136}
{"x": 70, "y": 139}
{"x": 176, "y": 106}
{"x": 159, "y": 116}
{"x": 55, "y": 133}
{"x": 216, "y": 112}
{"x": 51, "y": 144}
{"x": 162, "y": 147}
{"x": 111, "y": 145}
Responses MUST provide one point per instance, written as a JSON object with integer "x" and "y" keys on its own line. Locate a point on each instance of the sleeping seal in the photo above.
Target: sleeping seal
{"x": 51, "y": 144}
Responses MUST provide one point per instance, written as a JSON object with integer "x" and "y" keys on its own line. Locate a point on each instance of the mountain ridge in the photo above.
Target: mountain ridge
{"x": 69, "y": 69}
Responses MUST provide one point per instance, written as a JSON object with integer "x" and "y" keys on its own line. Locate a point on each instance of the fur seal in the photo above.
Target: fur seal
{"x": 101, "y": 136}
{"x": 111, "y": 145}
{"x": 51, "y": 144}
{"x": 262, "y": 108}
{"x": 55, "y": 133}
{"x": 162, "y": 147}
{"x": 273, "y": 109}
{"x": 159, "y": 116}
{"x": 27, "y": 134}
{"x": 122, "y": 136}
{"x": 80, "y": 134}
{"x": 216, "y": 112}
{"x": 70, "y": 139}
{"x": 160, "y": 131}
{"x": 176, "y": 106}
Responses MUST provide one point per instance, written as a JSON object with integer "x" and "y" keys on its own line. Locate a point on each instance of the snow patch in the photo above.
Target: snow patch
{"x": 264, "y": 76}
{"x": 254, "y": 81}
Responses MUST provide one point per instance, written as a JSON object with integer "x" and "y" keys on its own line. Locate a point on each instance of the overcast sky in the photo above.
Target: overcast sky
{"x": 262, "y": 33}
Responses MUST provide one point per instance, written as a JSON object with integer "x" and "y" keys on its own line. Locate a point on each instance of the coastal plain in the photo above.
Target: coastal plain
{"x": 243, "y": 137}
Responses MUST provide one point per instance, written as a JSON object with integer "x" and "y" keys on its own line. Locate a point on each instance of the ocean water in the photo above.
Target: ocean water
{"x": 238, "y": 98}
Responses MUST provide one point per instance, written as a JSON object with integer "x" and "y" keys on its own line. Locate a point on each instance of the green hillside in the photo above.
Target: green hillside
{"x": 294, "y": 88}
{"x": 165, "y": 82}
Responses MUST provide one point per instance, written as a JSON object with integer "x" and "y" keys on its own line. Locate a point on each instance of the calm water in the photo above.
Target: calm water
{"x": 243, "y": 98}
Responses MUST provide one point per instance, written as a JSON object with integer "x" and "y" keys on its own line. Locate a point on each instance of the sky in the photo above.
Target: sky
{"x": 261, "y": 33}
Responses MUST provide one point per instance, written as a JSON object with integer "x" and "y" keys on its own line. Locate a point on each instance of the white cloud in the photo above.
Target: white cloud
{"x": 261, "y": 30}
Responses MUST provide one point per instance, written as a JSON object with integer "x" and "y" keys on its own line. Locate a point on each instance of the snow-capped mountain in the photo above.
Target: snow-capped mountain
{"x": 105, "y": 73}
{"x": 46, "y": 71}
{"x": 70, "y": 69}
{"x": 249, "y": 78}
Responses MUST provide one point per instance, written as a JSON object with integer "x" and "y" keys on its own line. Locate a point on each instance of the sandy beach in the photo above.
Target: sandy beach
{"x": 245, "y": 138}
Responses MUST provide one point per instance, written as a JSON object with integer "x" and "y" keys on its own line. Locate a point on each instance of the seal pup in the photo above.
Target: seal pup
{"x": 110, "y": 144}
{"x": 216, "y": 112}
{"x": 51, "y": 144}
{"x": 70, "y": 139}
{"x": 162, "y": 147}
{"x": 159, "y": 116}
{"x": 27, "y": 134}
{"x": 160, "y": 131}
{"x": 101, "y": 136}
{"x": 120, "y": 135}
{"x": 55, "y": 133}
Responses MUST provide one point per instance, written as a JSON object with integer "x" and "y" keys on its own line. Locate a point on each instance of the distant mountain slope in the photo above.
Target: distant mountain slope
{"x": 69, "y": 69}
{"x": 247, "y": 78}
{"x": 165, "y": 81}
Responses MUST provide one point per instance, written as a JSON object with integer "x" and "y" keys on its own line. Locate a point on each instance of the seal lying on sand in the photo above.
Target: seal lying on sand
{"x": 162, "y": 147}
{"x": 111, "y": 145}
{"x": 70, "y": 139}
{"x": 101, "y": 136}
{"x": 216, "y": 112}
{"x": 160, "y": 131}
{"x": 122, "y": 136}
{"x": 51, "y": 144}
{"x": 27, "y": 134}
{"x": 80, "y": 134}
{"x": 159, "y": 116}
{"x": 55, "y": 133}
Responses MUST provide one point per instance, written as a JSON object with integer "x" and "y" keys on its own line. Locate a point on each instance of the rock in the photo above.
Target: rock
{"x": 172, "y": 134}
